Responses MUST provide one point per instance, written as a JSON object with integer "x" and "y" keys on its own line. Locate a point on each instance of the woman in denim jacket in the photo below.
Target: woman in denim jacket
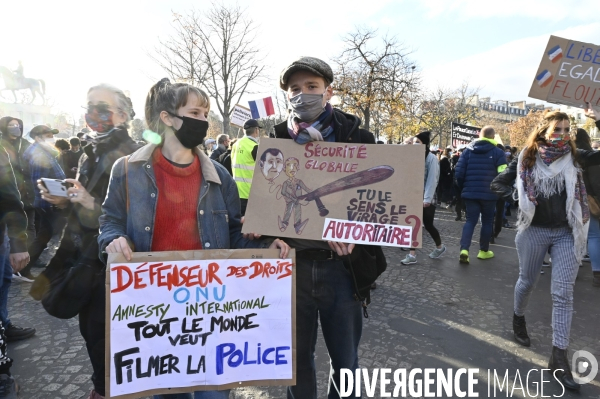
{"x": 170, "y": 196}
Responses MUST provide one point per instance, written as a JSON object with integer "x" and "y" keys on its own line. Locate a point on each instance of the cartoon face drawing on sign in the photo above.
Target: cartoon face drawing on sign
{"x": 271, "y": 163}
{"x": 291, "y": 190}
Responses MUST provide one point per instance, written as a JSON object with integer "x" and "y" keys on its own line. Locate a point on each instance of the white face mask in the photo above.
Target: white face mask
{"x": 48, "y": 145}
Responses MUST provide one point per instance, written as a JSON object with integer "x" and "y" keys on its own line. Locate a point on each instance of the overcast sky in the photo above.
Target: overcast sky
{"x": 495, "y": 45}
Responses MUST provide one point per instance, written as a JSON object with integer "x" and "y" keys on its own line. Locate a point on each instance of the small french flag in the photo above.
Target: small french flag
{"x": 555, "y": 54}
{"x": 262, "y": 108}
{"x": 544, "y": 78}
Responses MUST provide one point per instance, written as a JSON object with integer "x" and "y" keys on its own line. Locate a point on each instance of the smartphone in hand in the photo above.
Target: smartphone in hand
{"x": 55, "y": 187}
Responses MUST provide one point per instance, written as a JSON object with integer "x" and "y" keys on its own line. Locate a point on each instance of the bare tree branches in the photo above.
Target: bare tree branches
{"x": 216, "y": 50}
{"x": 443, "y": 106}
{"x": 178, "y": 54}
{"x": 373, "y": 79}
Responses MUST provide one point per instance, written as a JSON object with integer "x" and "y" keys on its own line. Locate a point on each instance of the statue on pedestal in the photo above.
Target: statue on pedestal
{"x": 15, "y": 81}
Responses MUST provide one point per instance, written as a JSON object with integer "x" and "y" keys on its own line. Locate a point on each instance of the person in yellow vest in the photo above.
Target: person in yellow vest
{"x": 243, "y": 158}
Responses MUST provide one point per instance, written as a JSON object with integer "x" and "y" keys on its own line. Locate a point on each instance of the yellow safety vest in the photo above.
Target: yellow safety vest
{"x": 242, "y": 165}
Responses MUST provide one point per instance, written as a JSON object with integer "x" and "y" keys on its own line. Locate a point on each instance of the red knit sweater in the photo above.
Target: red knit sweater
{"x": 176, "y": 220}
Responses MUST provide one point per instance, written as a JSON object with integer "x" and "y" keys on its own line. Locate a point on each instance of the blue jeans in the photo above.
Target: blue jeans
{"x": 594, "y": 243}
{"x": 324, "y": 293}
{"x": 475, "y": 208}
{"x": 6, "y": 273}
{"x": 197, "y": 395}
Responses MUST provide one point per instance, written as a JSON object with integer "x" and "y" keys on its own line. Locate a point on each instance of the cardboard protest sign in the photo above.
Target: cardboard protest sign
{"x": 240, "y": 115}
{"x": 569, "y": 73}
{"x": 329, "y": 187}
{"x": 463, "y": 134}
{"x": 199, "y": 320}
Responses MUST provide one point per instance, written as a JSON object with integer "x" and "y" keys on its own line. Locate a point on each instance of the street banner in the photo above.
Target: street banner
{"x": 569, "y": 73}
{"x": 185, "y": 321}
{"x": 240, "y": 115}
{"x": 362, "y": 193}
{"x": 462, "y": 135}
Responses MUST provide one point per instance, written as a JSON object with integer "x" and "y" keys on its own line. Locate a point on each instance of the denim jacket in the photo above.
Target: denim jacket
{"x": 219, "y": 217}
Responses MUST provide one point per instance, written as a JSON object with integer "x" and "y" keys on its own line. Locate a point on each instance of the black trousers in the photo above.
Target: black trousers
{"x": 244, "y": 205}
{"x": 91, "y": 325}
{"x": 47, "y": 223}
{"x": 31, "y": 228}
{"x": 428, "y": 216}
{"x": 499, "y": 217}
{"x": 460, "y": 205}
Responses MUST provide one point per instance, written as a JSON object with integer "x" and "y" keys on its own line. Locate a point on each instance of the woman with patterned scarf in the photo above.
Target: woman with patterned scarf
{"x": 553, "y": 215}
{"x": 109, "y": 112}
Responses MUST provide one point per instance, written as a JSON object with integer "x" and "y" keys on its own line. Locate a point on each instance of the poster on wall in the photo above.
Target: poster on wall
{"x": 359, "y": 193}
{"x": 185, "y": 321}
{"x": 568, "y": 74}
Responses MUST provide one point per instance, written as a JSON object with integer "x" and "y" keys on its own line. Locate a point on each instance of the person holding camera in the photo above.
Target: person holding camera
{"x": 108, "y": 112}
{"x": 42, "y": 161}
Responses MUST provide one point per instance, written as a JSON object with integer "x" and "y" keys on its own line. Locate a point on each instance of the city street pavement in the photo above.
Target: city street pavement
{"x": 434, "y": 314}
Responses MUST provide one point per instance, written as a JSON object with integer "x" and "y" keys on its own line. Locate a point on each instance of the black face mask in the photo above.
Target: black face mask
{"x": 192, "y": 132}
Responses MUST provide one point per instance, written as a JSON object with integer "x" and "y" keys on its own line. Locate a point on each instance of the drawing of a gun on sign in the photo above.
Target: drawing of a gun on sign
{"x": 292, "y": 191}
{"x": 355, "y": 183}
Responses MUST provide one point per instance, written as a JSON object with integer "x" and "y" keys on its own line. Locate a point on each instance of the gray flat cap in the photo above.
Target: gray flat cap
{"x": 310, "y": 64}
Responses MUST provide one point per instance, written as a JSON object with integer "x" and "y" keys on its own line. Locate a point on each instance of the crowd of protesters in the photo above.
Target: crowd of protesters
{"x": 554, "y": 181}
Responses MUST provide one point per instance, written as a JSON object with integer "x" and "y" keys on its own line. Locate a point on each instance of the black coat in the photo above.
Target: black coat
{"x": 15, "y": 148}
{"x": 225, "y": 160}
{"x": 218, "y": 152}
{"x": 79, "y": 242}
{"x": 346, "y": 128}
{"x": 11, "y": 207}
{"x": 445, "y": 173}
{"x": 550, "y": 212}
{"x": 591, "y": 175}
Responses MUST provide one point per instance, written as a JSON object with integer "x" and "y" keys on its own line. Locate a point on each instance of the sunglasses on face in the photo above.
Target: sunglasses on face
{"x": 100, "y": 108}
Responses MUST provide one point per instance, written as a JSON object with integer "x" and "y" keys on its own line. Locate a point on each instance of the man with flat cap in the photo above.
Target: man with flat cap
{"x": 324, "y": 286}
{"x": 243, "y": 158}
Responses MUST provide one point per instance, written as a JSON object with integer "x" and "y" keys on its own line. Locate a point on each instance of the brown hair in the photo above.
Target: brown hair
{"x": 165, "y": 96}
{"x": 538, "y": 136}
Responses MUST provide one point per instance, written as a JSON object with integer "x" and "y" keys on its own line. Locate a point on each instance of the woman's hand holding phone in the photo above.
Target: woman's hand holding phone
{"x": 79, "y": 195}
{"x": 76, "y": 194}
{"x": 55, "y": 200}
